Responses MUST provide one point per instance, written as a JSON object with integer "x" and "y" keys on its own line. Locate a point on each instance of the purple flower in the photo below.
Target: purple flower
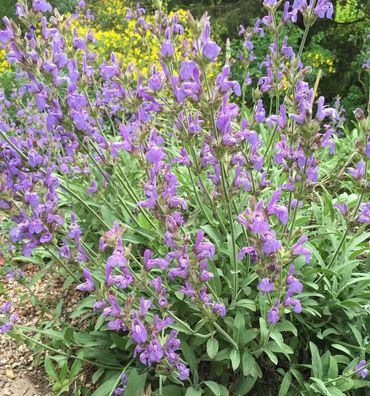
{"x": 184, "y": 371}
{"x": 359, "y": 171}
{"x": 219, "y": 309}
{"x": 363, "y": 371}
{"x": 298, "y": 249}
{"x": 138, "y": 331}
{"x": 280, "y": 211}
{"x": 324, "y": 8}
{"x": 210, "y": 48}
{"x": 145, "y": 305}
{"x": 89, "y": 284}
{"x": 248, "y": 250}
{"x": 155, "y": 351}
{"x": 364, "y": 215}
{"x": 116, "y": 325}
{"x": 294, "y": 285}
{"x": 6, "y": 327}
{"x": 295, "y": 302}
{"x": 5, "y": 308}
{"x": 342, "y": 207}
{"x": 271, "y": 244}
{"x": 167, "y": 48}
{"x": 273, "y": 313}
{"x": 150, "y": 263}
{"x": 265, "y": 285}
{"x": 203, "y": 249}
{"x": 260, "y": 112}
{"x": 41, "y": 5}
{"x": 323, "y": 112}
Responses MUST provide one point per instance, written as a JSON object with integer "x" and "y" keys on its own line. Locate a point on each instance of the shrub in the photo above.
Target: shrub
{"x": 216, "y": 257}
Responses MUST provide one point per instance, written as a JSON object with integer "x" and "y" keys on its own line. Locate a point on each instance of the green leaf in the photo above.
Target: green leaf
{"x": 285, "y": 385}
{"x": 172, "y": 390}
{"x": 342, "y": 348}
{"x": 249, "y": 364}
{"x": 214, "y": 387}
{"x": 193, "y": 392}
{"x": 63, "y": 372}
{"x": 320, "y": 386}
{"x": 212, "y": 347}
{"x": 244, "y": 303}
{"x": 239, "y": 322}
{"x": 76, "y": 366}
{"x": 98, "y": 373}
{"x": 264, "y": 331}
{"x": 235, "y": 359}
{"x": 335, "y": 392}
{"x": 316, "y": 361}
{"x": 271, "y": 356}
{"x": 182, "y": 328}
{"x": 106, "y": 387}
{"x": 68, "y": 335}
{"x": 213, "y": 233}
{"x": 50, "y": 369}
{"x": 136, "y": 383}
{"x": 244, "y": 385}
{"x": 333, "y": 368}
{"x": 190, "y": 359}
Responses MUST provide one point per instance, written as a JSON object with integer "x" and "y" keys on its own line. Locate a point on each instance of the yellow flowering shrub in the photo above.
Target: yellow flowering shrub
{"x": 4, "y": 65}
{"x": 114, "y": 33}
{"x": 320, "y": 61}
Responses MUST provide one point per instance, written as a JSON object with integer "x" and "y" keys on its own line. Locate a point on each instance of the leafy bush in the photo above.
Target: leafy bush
{"x": 222, "y": 246}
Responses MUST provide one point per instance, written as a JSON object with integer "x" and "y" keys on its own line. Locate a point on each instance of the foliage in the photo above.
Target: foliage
{"x": 218, "y": 233}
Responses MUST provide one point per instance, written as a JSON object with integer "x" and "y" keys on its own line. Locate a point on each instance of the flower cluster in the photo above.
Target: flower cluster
{"x": 159, "y": 164}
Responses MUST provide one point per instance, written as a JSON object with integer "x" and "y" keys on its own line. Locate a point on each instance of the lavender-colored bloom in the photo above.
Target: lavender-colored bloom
{"x": 295, "y": 302}
{"x": 363, "y": 371}
{"x": 167, "y": 48}
{"x": 138, "y": 330}
{"x": 364, "y": 214}
{"x": 89, "y": 284}
{"x": 203, "y": 249}
{"x": 324, "y": 8}
{"x": 273, "y": 313}
{"x": 298, "y": 249}
{"x": 219, "y": 309}
{"x": 280, "y": 211}
{"x": 210, "y": 48}
{"x": 6, "y": 307}
{"x": 6, "y": 327}
{"x": 265, "y": 285}
{"x": 184, "y": 371}
{"x": 41, "y": 5}
{"x": 145, "y": 305}
{"x": 323, "y": 112}
{"x": 155, "y": 351}
{"x": 359, "y": 171}
{"x": 294, "y": 285}
{"x": 260, "y": 112}
{"x": 116, "y": 325}
{"x": 342, "y": 207}
{"x": 150, "y": 263}
{"x": 271, "y": 244}
{"x": 248, "y": 250}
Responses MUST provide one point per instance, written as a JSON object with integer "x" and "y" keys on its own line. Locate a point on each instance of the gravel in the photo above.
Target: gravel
{"x": 19, "y": 375}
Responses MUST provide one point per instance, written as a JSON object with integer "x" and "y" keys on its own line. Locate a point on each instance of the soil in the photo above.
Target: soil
{"x": 19, "y": 375}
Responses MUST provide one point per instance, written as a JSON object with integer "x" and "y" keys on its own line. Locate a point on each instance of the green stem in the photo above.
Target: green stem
{"x": 59, "y": 352}
{"x": 225, "y": 335}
